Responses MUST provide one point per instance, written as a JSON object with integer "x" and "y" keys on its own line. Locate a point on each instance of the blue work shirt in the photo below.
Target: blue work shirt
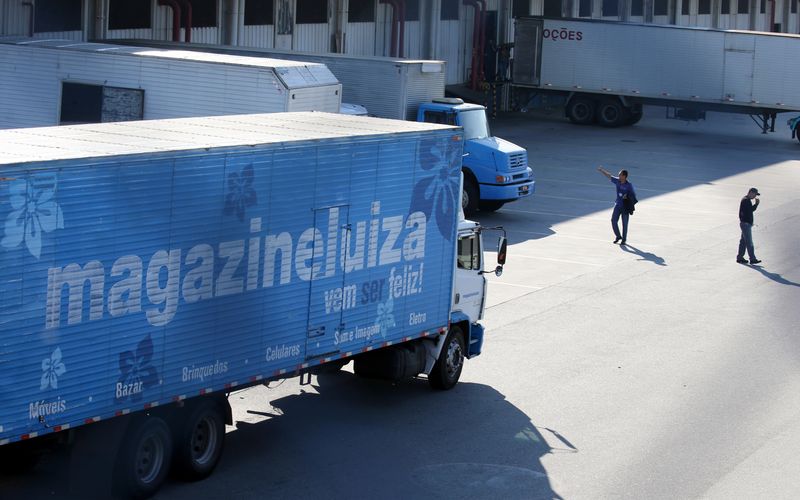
{"x": 622, "y": 190}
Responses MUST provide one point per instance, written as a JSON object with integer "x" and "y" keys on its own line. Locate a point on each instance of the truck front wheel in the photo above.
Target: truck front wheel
{"x": 470, "y": 196}
{"x": 144, "y": 457}
{"x": 581, "y": 110}
{"x": 491, "y": 205}
{"x": 199, "y": 440}
{"x": 447, "y": 369}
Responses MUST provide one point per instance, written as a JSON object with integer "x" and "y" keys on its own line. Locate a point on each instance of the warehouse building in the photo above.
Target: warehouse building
{"x": 418, "y": 29}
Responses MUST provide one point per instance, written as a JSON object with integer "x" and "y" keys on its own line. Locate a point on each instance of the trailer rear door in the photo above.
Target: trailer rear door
{"x": 528, "y": 52}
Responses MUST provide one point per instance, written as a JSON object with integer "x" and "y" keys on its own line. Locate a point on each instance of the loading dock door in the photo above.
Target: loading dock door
{"x": 528, "y": 52}
{"x": 739, "y": 61}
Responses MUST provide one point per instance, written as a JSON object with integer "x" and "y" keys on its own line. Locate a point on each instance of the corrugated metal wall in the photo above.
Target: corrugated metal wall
{"x": 361, "y": 39}
{"x": 312, "y": 37}
{"x": 453, "y": 49}
{"x": 173, "y": 87}
{"x": 257, "y": 36}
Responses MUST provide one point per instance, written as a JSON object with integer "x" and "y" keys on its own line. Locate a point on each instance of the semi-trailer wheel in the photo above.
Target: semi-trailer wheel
{"x": 611, "y": 113}
{"x": 470, "y": 196}
{"x": 199, "y": 440}
{"x": 447, "y": 369}
{"x": 144, "y": 458}
{"x": 581, "y": 110}
{"x": 491, "y": 205}
{"x": 634, "y": 118}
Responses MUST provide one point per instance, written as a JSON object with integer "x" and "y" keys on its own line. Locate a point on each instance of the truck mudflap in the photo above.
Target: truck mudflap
{"x": 475, "y": 340}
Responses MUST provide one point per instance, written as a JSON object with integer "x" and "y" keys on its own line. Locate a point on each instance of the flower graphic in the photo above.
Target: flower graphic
{"x": 33, "y": 212}
{"x": 240, "y": 192}
{"x": 136, "y": 370}
{"x": 52, "y": 368}
{"x": 437, "y": 195}
{"x": 385, "y": 319}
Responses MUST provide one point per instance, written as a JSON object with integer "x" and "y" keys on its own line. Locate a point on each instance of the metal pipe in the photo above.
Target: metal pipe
{"x": 395, "y": 8}
{"x": 482, "y": 48}
{"x": 176, "y": 18}
{"x": 187, "y": 20}
{"x": 402, "y": 17}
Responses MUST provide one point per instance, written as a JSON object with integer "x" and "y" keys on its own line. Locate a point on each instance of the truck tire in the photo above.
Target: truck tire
{"x": 581, "y": 110}
{"x": 611, "y": 113}
{"x": 144, "y": 458}
{"x": 491, "y": 205}
{"x": 447, "y": 370}
{"x": 199, "y": 440}
{"x": 634, "y": 118}
{"x": 470, "y": 196}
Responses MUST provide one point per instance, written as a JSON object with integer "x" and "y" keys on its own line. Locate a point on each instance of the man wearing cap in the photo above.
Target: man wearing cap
{"x": 746, "y": 209}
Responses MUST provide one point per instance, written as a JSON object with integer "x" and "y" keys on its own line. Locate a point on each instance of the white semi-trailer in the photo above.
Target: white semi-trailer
{"x": 605, "y": 71}
{"x": 389, "y": 87}
{"x": 53, "y": 82}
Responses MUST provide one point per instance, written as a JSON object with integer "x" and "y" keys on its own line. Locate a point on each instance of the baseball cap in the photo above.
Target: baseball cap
{"x": 754, "y": 190}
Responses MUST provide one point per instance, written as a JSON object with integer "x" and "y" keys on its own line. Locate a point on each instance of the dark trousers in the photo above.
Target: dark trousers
{"x": 620, "y": 210}
{"x": 746, "y": 241}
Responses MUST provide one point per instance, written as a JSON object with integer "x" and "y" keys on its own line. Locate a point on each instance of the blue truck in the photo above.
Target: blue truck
{"x": 148, "y": 269}
{"x": 496, "y": 171}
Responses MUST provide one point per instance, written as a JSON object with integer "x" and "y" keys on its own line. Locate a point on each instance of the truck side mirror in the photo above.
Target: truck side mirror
{"x": 502, "y": 245}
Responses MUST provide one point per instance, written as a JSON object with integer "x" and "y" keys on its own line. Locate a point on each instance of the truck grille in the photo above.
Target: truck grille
{"x": 518, "y": 160}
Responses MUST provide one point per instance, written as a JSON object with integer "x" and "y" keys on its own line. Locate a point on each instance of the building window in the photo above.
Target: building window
{"x": 637, "y": 7}
{"x": 743, "y": 7}
{"x": 450, "y": 10}
{"x": 259, "y": 12}
{"x": 762, "y": 8}
{"x": 57, "y": 15}
{"x": 585, "y": 8}
{"x": 685, "y": 7}
{"x": 794, "y": 6}
{"x": 361, "y": 11}
{"x": 412, "y": 10}
{"x": 128, "y": 14}
{"x": 521, "y": 8}
{"x": 660, "y": 8}
{"x": 704, "y": 7}
{"x": 725, "y": 8}
{"x": 552, "y": 8}
{"x": 312, "y": 11}
{"x": 204, "y": 14}
{"x": 610, "y": 8}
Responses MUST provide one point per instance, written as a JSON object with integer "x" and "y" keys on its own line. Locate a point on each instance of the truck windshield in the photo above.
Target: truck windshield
{"x": 474, "y": 123}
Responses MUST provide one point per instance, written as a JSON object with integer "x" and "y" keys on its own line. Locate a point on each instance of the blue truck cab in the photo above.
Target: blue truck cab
{"x": 496, "y": 171}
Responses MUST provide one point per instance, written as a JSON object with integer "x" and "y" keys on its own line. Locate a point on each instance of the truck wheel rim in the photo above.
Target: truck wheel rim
{"x": 610, "y": 114}
{"x": 464, "y": 199}
{"x": 455, "y": 357}
{"x": 204, "y": 440}
{"x": 149, "y": 459}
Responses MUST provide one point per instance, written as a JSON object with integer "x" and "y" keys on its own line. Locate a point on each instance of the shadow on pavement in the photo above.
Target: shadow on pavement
{"x": 650, "y": 257}
{"x": 373, "y": 439}
{"x": 777, "y": 278}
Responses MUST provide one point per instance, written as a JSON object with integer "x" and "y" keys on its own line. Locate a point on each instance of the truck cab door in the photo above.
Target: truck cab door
{"x": 470, "y": 284}
{"x": 329, "y": 296}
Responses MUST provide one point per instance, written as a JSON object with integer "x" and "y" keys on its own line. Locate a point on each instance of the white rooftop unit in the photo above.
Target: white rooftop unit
{"x": 51, "y": 82}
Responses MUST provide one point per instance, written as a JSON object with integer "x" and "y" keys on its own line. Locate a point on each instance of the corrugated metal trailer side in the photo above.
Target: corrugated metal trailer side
{"x": 387, "y": 87}
{"x": 174, "y": 83}
{"x": 149, "y": 262}
{"x": 659, "y": 62}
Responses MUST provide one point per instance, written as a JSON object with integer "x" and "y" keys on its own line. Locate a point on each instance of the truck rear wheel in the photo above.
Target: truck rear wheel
{"x": 144, "y": 458}
{"x": 634, "y": 118}
{"x": 611, "y": 113}
{"x": 200, "y": 440}
{"x": 581, "y": 110}
{"x": 447, "y": 369}
{"x": 470, "y": 196}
